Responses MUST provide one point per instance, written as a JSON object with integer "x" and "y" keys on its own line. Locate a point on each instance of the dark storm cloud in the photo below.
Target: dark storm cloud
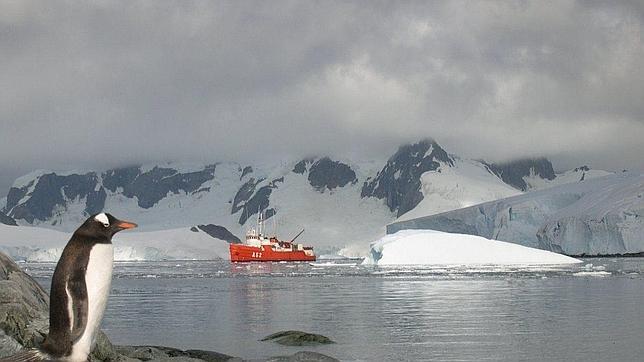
{"x": 109, "y": 83}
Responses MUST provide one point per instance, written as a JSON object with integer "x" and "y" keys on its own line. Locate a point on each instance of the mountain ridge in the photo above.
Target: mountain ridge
{"x": 341, "y": 201}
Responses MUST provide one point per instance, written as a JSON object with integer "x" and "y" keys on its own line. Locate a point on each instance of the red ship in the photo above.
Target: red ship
{"x": 259, "y": 247}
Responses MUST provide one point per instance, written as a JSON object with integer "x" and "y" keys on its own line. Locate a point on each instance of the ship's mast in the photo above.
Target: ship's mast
{"x": 260, "y": 222}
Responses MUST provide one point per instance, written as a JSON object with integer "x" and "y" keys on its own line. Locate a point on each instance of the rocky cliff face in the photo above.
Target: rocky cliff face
{"x": 326, "y": 174}
{"x": 50, "y": 194}
{"x": 218, "y": 232}
{"x": 4, "y": 219}
{"x": 251, "y": 201}
{"x": 514, "y": 173}
{"x": 151, "y": 186}
{"x": 24, "y": 306}
{"x": 398, "y": 183}
{"x": 601, "y": 216}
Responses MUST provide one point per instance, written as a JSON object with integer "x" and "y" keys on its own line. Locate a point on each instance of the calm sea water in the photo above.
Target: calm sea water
{"x": 592, "y": 312}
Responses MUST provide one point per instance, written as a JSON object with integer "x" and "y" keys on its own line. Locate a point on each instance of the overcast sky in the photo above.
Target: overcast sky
{"x": 112, "y": 83}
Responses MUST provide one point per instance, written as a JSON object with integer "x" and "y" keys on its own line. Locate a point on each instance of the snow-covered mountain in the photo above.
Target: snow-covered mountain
{"x": 40, "y": 244}
{"x": 464, "y": 184}
{"x": 518, "y": 173}
{"x": 536, "y": 182}
{"x": 340, "y": 203}
{"x": 599, "y": 216}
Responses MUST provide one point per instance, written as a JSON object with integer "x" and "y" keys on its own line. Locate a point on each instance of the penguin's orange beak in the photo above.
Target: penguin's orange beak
{"x": 124, "y": 225}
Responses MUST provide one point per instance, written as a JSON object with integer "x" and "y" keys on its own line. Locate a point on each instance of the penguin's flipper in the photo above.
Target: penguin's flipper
{"x": 78, "y": 291}
{"x": 28, "y": 355}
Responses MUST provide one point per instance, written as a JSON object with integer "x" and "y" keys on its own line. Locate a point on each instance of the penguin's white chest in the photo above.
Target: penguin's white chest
{"x": 98, "y": 280}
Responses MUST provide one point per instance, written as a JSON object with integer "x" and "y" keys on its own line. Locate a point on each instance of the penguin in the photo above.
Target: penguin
{"x": 79, "y": 290}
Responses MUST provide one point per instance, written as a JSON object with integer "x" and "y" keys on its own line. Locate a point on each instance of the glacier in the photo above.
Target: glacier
{"x": 599, "y": 216}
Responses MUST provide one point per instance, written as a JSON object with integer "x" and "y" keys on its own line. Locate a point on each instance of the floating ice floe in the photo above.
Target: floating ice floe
{"x": 333, "y": 264}
{"x": 592, "y": 274}
{"x": 422, "y": 247}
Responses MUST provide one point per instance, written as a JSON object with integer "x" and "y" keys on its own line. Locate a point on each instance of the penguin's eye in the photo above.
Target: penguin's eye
{"x": 106, "y": 225}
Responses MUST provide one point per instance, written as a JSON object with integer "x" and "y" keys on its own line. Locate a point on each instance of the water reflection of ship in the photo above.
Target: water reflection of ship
{"x": 259, "y": 247}
{"x": 254, "y": 269}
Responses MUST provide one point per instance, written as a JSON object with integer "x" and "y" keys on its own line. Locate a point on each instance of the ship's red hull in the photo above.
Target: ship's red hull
{"x": 246, "y": 253}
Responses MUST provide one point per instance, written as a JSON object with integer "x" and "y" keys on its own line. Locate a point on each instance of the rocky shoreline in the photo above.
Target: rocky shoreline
{"x": 24, "y": 322}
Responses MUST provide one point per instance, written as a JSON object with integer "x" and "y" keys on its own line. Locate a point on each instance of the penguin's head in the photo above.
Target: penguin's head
{"x": 104, "y": 225}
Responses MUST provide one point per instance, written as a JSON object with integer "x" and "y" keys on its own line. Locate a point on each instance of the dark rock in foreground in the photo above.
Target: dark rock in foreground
{"x": 158, "y": 353}
{"x": 304, "y": 357}
{"x": 297, "y": 338}
{"x": 23, "y": 308}
{"x": 151, "y": 353}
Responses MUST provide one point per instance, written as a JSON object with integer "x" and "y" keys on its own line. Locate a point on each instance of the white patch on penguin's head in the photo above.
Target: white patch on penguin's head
{"x": 102, "y": 218}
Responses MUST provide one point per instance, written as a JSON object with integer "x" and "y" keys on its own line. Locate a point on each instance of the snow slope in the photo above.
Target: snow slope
{"x": 332, "y": 218}
{"x": 578, "y": 174}
{"x": 465, "y": 184}
{"x": 39, "y": 244}
{"x": 415, "y": 247}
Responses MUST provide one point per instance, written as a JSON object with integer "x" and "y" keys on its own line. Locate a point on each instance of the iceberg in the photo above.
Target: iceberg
{"x": 430, "y": 247}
